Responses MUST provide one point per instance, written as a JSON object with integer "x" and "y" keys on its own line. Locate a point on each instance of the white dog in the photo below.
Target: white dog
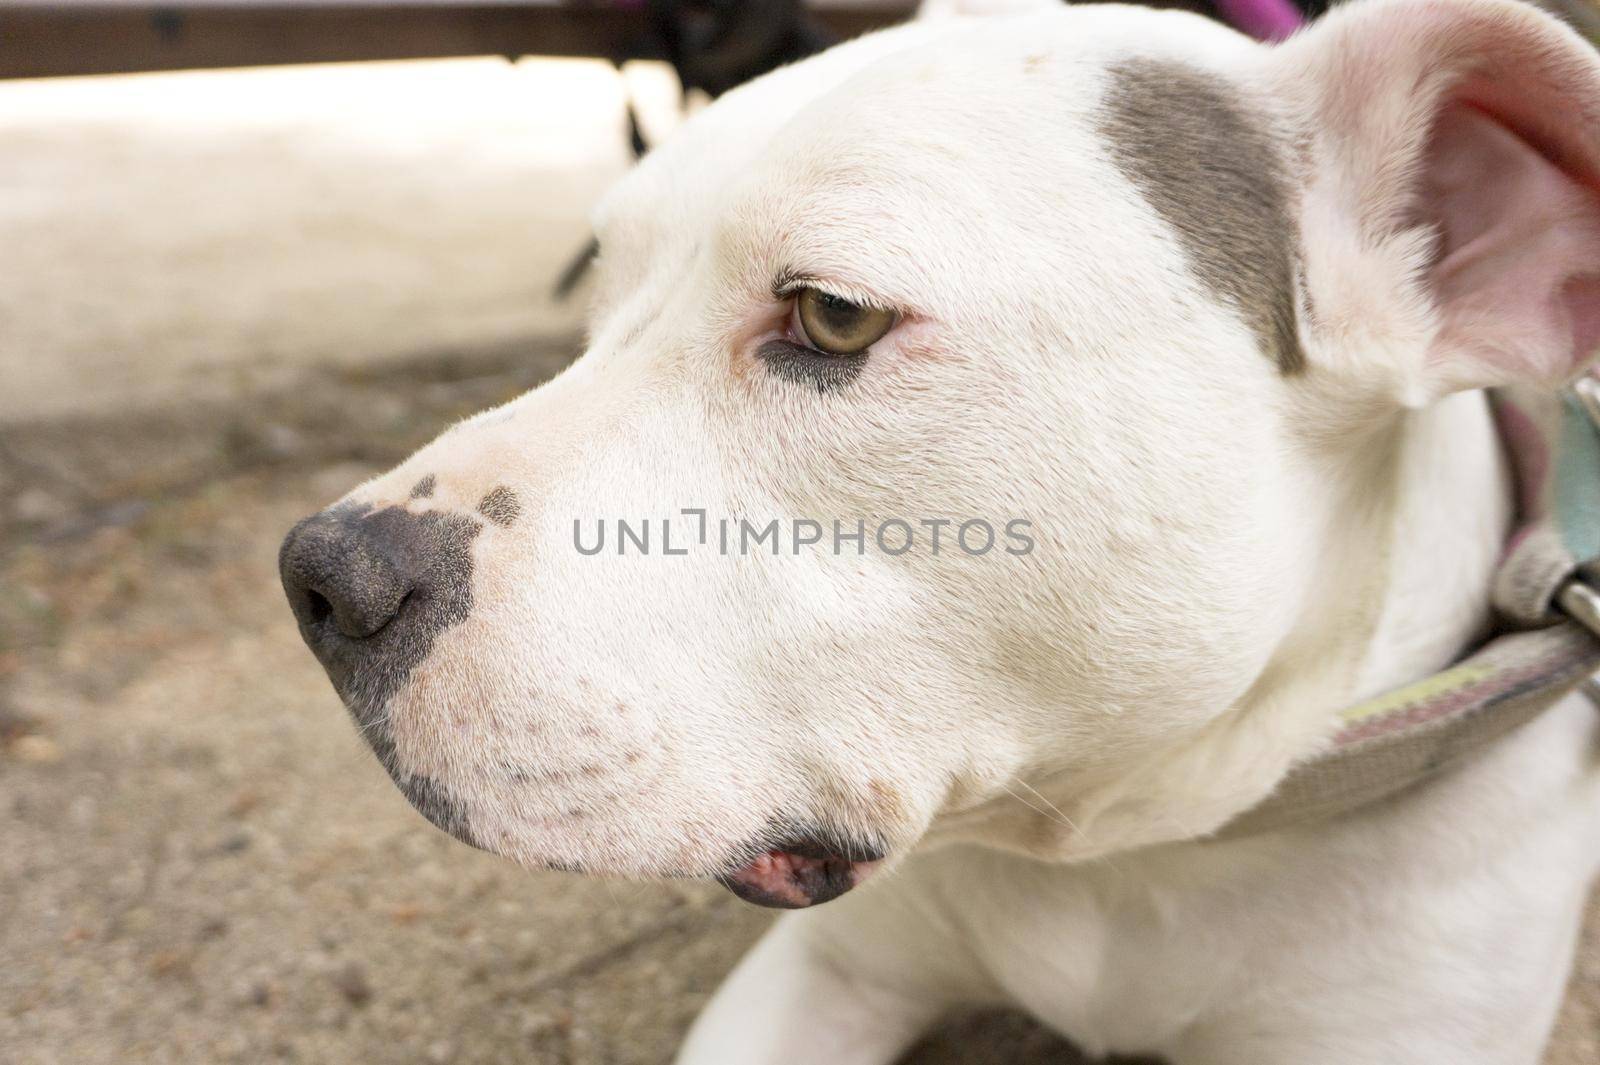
{"x": 1172, "y": 341}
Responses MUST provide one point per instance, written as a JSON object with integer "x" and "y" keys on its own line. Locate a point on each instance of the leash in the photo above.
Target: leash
{"x": 1546, "y": 593}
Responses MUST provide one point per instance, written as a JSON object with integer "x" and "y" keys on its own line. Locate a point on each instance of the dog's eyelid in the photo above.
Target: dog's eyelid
{"x": 788, "y": 284}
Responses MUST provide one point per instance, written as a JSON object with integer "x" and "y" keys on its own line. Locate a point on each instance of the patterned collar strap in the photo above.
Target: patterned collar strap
{"x": 1545, "y": 594}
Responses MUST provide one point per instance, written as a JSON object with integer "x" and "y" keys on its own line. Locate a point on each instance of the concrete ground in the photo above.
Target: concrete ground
{"x": 219, "y": 231}
{"x": 201, "y": 863}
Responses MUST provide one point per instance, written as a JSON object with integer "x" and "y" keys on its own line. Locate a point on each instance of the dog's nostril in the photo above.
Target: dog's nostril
{"x": 318, "y": 608}
{"x": 355, "y": 573}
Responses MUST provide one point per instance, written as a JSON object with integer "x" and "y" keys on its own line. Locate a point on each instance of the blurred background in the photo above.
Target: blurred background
{"x": 251, "y": 254}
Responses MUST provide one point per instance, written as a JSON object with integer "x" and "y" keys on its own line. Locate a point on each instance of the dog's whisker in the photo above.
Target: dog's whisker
{"x": 1038, "y": 810}
{"x": 1053, "y": 807}
{"x": 1056, "y": 814}
{"x": 612, "y": 891}
{"x": 371, "y": 728}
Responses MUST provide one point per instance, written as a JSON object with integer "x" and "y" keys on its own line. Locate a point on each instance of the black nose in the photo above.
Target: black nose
{"x": 342, "y": 571}
{"x": 372, "y": 589}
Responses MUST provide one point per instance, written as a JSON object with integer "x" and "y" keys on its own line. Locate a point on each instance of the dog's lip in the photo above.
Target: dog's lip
{"x": 799, "y": 873}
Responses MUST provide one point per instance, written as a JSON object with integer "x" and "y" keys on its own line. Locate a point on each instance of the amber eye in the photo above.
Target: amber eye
{"x": 834, "y": 325}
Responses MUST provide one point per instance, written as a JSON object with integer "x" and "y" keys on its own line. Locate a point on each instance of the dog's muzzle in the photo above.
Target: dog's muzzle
{"x": 372, "y": 590}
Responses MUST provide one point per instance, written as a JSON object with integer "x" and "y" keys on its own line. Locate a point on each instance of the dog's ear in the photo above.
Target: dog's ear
{"x": 1450, "y": 155}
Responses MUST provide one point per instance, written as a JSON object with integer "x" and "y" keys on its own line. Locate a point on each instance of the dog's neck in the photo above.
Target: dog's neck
{"x": 1415, "y": 523}
{"x": 1450, "y": 514}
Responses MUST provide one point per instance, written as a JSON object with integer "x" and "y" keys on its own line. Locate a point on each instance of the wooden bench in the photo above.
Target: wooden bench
{"x": 69, "y": 37}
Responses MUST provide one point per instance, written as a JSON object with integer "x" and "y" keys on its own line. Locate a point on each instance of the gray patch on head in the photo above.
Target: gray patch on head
{"x": 501, "y": 506}
{"x": 423, "y": 489}
{"x": 1215, "y": 174}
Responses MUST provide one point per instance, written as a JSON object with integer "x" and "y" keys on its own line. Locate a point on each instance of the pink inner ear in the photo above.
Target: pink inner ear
{"x": 1582, "y": 297}
{"x": 1517, "y": 271}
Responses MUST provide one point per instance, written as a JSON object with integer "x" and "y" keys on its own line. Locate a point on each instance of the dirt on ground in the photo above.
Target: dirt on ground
{"x": 202, "y": 863}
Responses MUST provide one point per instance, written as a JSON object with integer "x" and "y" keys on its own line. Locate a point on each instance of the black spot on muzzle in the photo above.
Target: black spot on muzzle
{"x": 501, "y": 506}
{"x": 372, "y": 591}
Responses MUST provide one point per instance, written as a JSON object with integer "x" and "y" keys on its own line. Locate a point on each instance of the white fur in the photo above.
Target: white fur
{"x": 946, "y": 8}
{"x": 1226, "y": 556}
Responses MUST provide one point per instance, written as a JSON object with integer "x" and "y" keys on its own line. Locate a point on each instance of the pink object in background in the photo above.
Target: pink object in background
{"x": 1268, "y": 20}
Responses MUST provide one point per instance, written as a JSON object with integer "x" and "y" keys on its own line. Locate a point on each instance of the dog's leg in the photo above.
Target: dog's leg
{"x": 822, "y": 986}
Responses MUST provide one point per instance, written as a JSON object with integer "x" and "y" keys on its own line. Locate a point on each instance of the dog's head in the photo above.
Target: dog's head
{"x": 972, "y": 402}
